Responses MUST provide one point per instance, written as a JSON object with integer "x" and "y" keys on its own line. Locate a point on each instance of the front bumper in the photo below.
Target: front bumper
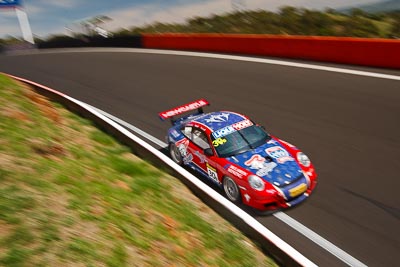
{"x": 290, "y": 196}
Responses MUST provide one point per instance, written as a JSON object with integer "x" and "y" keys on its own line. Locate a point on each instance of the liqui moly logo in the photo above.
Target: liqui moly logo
{"x": 242, "y": 124}
{"x": 223, "y": 132}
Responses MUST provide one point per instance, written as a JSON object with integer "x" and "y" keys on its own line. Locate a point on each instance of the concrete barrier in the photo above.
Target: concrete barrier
{"x": 95, "y": 41}
{"x": 357, "y": 51}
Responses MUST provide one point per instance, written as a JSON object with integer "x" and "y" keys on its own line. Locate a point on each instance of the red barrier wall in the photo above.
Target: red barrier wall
{"x": 358, "y": 51}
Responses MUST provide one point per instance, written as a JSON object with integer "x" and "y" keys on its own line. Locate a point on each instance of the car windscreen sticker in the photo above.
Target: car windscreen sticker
{"x": 218, "y": 142}
{"x": 223, "y": 132}
{"x": 242, "y": 124}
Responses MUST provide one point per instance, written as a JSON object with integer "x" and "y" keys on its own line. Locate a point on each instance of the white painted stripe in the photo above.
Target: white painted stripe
{"x": 228, "y": 57}
{"x": 129, "y": 126}
{"x": 305, "y": 231}
{"x": 261, "y": 229}
{"x": 319, "y": 240}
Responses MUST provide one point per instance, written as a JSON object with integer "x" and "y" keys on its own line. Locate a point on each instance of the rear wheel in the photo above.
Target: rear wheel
{"x": 175, "y": 154}
{"x": 231, "y": 190}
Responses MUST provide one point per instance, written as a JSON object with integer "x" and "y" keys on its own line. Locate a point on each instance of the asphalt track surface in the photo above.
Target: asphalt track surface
{"x": 349, "y": 125}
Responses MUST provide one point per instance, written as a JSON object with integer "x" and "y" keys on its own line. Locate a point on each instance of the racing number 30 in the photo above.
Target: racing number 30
{"x": 212, "y": 172}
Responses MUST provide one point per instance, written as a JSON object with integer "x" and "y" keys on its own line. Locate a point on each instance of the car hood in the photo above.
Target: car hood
{"x": 272, "y": 162}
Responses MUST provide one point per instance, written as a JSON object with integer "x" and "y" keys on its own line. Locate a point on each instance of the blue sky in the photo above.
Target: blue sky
{"x": 48, "y": 17}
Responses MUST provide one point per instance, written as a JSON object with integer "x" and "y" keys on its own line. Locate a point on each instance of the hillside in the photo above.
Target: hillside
{"x": 287, "y": 21}
{"x": 385, "y": 6}
{"x": 71, "y": 195}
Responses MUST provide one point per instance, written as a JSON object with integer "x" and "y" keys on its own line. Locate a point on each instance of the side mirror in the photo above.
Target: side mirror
{"x": 208, "y": 152}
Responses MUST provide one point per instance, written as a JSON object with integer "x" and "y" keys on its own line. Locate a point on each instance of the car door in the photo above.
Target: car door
{"x": 200, "y": 142}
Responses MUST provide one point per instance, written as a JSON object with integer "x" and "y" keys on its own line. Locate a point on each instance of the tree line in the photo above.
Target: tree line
{"x": 287, "y": 21}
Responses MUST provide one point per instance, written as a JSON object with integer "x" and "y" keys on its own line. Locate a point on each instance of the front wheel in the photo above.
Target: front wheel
{"x": 231, "y": 190}
{"x": 175, "y": 154}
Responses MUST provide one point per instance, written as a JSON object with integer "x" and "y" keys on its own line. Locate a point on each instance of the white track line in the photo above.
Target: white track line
{"x": 130, "y": 127}
{"x": 319, "y": 240}
{"x": 221, "y": 56}
{"x": 305, "y": 231}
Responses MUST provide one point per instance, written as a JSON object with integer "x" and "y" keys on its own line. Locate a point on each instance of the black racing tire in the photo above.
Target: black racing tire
{"x": 231, "y": 190}
{"x": 175, "y": 154}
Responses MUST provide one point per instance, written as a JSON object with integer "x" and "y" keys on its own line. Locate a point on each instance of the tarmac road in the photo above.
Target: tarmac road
{"x": 349, "y": 125}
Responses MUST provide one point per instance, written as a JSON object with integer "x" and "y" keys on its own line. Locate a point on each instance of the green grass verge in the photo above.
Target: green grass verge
{"x": 72, "y": 195}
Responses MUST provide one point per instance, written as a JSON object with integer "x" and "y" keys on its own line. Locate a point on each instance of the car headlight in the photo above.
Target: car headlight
{"x": 303, "y": 159}
{"x": 256, "y": 183}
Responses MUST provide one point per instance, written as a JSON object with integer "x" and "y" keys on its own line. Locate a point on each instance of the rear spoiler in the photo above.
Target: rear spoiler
{"x": 170, "y": 114}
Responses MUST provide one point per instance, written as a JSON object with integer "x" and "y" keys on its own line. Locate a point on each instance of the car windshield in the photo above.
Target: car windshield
{"x": 240, "y": 141}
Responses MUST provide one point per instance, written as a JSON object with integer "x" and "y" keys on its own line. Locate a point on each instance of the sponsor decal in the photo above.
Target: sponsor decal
{"x": 223, "y": 132}
{"x": 174, "y": 133}
{"x": 270, "y": 191}
{"x": 201, "y": 157}
{"x": 242, "y": 124}
{"x": 182, "y": 146}
{"x": 236, "y": 171}
{"x": 182, "y": 109}
{"x": 222, "y": 117}
{"x": 219, "y": 141}
{"x": 259, "y": 163}
{"x": 232, "y": 128}
{"x": 247, "y": 197}
{"x": 212, "y": 172}
{"x": 279, "y": 153}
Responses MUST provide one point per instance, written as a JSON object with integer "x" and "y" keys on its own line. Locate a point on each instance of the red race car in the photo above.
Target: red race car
{"x": 250, "y": 165}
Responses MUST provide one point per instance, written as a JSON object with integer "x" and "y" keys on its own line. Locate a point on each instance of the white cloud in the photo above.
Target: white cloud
{"x": 62, "y": 3}
{"x": 147, "y": 14}
{"x": 33, "y": 10}
{"x": 9, "y": 23}
{"x": 7, "y": 13}
{"x": 11, "y": 29}
{"x": 39, "y": 9}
